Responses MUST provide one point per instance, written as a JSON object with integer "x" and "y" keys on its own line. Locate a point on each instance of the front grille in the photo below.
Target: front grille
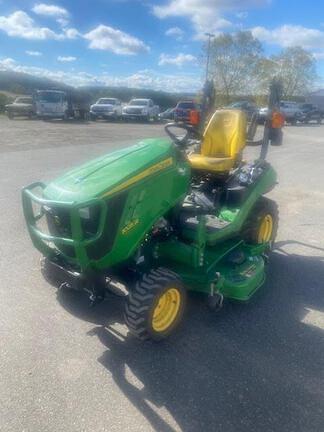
{"x": 100, "y": 109}
{"x": 59, "y": 225}
{"x": 134, "y": 110}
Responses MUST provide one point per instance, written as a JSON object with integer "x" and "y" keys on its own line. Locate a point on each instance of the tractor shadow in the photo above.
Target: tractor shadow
{"x": 251, "y": 367}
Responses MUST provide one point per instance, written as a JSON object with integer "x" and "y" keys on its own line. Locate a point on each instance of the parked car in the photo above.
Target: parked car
{"x": 141, "y": 109}
{"x": 21, "y": 106}
{"x": 291, "y": 111}
{"x": 183, "y": 108}
{"x": 106, "y": 108}
{"x": 310, "y": 112}
{"x": 263, "y": 113}
{"x": 248, "y": 107}
{"x": 167, "y": 114}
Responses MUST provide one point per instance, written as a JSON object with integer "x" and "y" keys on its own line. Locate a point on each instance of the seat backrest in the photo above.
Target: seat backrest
{"x": 225, "y": 134}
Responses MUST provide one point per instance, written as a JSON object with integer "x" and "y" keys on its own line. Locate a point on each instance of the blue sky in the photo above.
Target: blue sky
{"x": 142, "y": 43}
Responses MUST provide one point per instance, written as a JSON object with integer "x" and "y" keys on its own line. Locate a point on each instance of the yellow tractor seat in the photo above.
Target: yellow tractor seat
{"x": 223, "y": 141}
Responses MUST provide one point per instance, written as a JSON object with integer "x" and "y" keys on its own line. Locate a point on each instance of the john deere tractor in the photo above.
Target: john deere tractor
{"x": 162, "y": 217}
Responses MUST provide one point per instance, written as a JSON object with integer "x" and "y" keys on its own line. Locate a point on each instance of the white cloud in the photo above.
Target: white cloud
{"x": 175, "y": 32}
{"x": 34, "y": 53}
{"x": 50, "y": 10}
{"x": 20, "y": 24}
{"x": 156, "y": 81}
{"x": 241, "y": 15}
{"x": 205, "y": 15}
{"x": 72, "y": 33}
{"x": 141, "y": 79}
{"x": 291, "y": 35}
{"x": 7, "y": 63}
{"x": 63, "y": 22}
{"x": 66, "y": 59}
{"x": 178, "y": 60}
{"x": 116, "y": 41}
{"x": 319, "y": 55}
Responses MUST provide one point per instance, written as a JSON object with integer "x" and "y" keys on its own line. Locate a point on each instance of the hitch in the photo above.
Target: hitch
{"x": 215, "y": 299}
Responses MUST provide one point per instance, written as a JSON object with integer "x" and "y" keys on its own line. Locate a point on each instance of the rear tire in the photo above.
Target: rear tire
{"x": 155, "y": 307}
{"x": 262, "y": 223}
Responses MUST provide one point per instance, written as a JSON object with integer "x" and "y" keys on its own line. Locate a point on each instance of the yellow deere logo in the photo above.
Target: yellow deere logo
{"x": 132, "y": 224}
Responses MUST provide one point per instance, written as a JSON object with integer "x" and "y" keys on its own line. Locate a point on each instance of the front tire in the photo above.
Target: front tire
{"x": 155, "y": 307}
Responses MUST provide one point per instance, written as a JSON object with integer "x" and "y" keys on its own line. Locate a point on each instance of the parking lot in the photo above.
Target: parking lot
{"x": 252, "y": 367}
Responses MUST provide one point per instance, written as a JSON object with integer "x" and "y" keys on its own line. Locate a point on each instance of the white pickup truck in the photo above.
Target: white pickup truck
{"x": 291, "y": 111}
{"x": 141, "y": 109}
{"x": 106, "y": 108}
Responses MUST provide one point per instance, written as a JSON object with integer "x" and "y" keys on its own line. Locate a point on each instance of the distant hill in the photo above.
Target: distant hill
{"x": 22, "y": 83}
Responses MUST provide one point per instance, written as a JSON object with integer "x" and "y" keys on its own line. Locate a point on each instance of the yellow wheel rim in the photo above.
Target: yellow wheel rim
{"x": 266, "y": 228}
{"x": 166, "y": 311}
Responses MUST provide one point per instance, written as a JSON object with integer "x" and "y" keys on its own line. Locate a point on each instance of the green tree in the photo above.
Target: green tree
{"x": 295, "y": 67}
{"x": 4, "y": 100}
{"x": 297, "y": 70}
{"x": 233, "y": 64}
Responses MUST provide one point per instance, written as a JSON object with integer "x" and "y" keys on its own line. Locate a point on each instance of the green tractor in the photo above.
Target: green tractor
{"x": 162, "y": 219}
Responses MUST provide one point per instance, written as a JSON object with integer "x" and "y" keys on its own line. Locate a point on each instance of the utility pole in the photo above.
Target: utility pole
{"x": 209, "y": 35}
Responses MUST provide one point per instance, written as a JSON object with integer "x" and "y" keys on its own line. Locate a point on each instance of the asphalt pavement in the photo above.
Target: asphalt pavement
{"x": 249, "y": 368}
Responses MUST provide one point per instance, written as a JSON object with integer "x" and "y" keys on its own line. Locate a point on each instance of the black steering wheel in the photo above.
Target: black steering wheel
{"x": 181, "y": 142}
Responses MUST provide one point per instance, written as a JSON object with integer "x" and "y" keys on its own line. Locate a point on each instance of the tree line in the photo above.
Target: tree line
{"x": 238, "y": 66}
{"x": 25, "y": 84}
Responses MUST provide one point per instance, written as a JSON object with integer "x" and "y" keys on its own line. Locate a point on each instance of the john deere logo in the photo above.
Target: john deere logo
{"x": 132, "y": 224}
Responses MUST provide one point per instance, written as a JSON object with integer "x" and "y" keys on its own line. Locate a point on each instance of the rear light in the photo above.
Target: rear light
{"x": 277, "y": 120}
{"x": 194, "y": 117}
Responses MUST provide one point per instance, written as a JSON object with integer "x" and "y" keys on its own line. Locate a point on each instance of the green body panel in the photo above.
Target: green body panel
{"x": 153, "y": 180}
{"x": 211, "y": 269}
{"x": 238, "y": 216}
{"x": 199, "y": 261}
{"x": 99, "y": 176}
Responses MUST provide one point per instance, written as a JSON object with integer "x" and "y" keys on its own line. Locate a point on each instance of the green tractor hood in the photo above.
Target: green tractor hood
{"x": 111, "y": 173}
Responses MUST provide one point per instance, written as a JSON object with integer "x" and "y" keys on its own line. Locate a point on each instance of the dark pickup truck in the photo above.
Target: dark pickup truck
{"x": 310, "y": 112}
